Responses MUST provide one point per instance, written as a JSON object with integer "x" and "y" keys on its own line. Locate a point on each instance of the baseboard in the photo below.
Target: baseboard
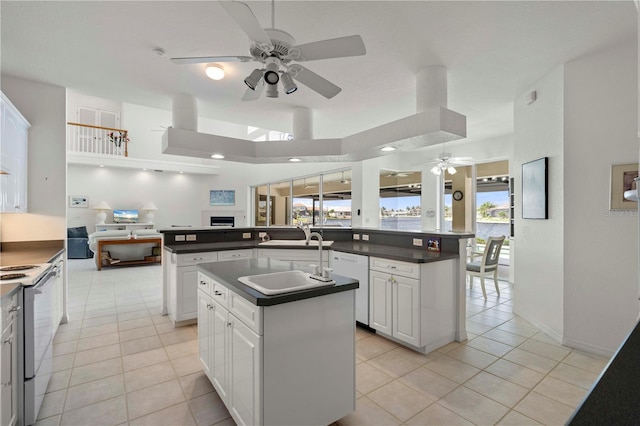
{"x": 586, "y": 347}
{"x": 546, "y": 330}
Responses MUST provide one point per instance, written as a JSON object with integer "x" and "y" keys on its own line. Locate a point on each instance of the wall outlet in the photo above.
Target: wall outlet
{"x": 365, "y": 237}
{"x": 356, "y": 237}
{"x": 179, "y": 237}
{"x": 246, "y": 235}
{"x": 417, "y": 242}
{"x": 262, "y": 234}
{"x": 191, "y": 237}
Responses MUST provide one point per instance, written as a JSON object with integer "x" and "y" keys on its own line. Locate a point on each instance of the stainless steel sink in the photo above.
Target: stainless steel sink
{"x": 312, "y": 243}
{"x": 284, "y": 282}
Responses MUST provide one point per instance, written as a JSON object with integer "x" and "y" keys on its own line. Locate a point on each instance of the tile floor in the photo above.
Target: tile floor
{"x": 118, "y": 362}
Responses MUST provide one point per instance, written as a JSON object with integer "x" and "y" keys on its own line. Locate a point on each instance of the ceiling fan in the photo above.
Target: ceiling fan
{"x": 399, "y": 174}
{"x": 278, "y": 54}
{"x": 444, "y": 162}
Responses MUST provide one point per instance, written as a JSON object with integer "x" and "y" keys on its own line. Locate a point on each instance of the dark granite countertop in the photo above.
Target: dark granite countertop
{"x": 366, "y": 249}
{"x": 227, "y": 273}
{"x": 613, "y": 399}
{"x": 28, "y": 252}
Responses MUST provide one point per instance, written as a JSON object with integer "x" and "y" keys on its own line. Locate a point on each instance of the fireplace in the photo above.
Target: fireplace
{"x": 222, "y": 221}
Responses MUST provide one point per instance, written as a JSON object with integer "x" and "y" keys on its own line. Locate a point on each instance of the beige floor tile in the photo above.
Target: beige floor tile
{"x": 95, "y": 371}
{"x": 98, "y": 341}
{"x": 543, "y": 409}
{"x": 65, "y": 348}
{"x": 449, "y": 347}
{"x": 490, "y": 346}
{"x": 126, "y": 316}
{"x": 62, "y": 362}
{"x": 97, "y": 354}
{"x": 472, "y": 356}
{"x": 147, "y": 376}
{"x": 187, "y": 365}
{"x": 179, "y": 335}
{"x": 452, "y": 369}
{"x": 49, "y": 421}
{"x": 140, "y": 306}
{"x": 484, "y": 319}
{"x": 515, "y": 373}
{"x": 98, "y": 330}
{"x": 573, "y": 375}
{"x": 429, "y": 383}
{"x": 154, "y": 398}
{"x": 513, "y": 418}
{"x": 52, "y": 404}
{"x": 160, "y": 319}
{"x": 137, "y": 333}
{"x": 178, "y": 414}
{"x": 474, "y": 407}
{"x": 369, "y": 378}
{"x": 477, "y": 328}
{"x": 500, "y": 390}
{"x": 498, "y": 313}
{"x": 99, "y": 313}
{"x": 400, "y": 400}
{"x": 92, "y": 392}
{"x": 531, "y": 360}
{"x": 196, "y": 384}
{"x": 208, "y": 409}
{"x": 134, "y": 323}
{"x": 361, "y": 333}
{"x": 505, "y": 337}
{"x": 140, "y": 345}
{"x": 105, "y": 413}
{"x": 144, "y": 359}
{"x": 59, "y": 380}
{"x": 560, "y": 391}
{"x": 400, "y": 361}
{"x": 588, "y": 362}
{"x": 66, "y": 336}
{"x": 436, "y": 414}
{"x": 553, "y": 351}
{"x": 519, "y": 329}
{"x": 368, "y": 413}
{"x": 165, "y": 327}
{"x": 179, "y": 350}
{"x": 374, "y": 346}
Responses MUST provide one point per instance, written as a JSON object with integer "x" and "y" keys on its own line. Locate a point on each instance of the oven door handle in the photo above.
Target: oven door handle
{"x": 37, "y": 289}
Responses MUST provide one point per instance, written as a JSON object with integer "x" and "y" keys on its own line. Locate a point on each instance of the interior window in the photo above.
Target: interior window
{"x": 281, "y": 198}
{"x": 306, "y": 200}
{"x": 400, "y": 199}
{"x": 263, "y": 213}
{"x": 336, "y": 199}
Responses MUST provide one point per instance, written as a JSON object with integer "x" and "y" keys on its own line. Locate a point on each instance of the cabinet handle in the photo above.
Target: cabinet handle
{"x": 217, "y": 293}
{"x": 203, "y": 283}
{"x": 15, "y": 309}
{"x": 209, "y": 306}
{"x": 9, "y": 341}
{"x": 391, "y": 266}
{"x": 229, "y": 324}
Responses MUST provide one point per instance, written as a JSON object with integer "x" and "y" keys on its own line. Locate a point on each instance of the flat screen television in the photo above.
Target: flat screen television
{"x": 125, "y": 216}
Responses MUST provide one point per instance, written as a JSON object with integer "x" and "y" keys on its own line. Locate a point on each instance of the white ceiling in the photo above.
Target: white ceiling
{"x": 493, "y": 52}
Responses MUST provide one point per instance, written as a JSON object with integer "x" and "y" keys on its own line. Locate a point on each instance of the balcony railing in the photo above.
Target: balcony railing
{"x": 84, "y": 138}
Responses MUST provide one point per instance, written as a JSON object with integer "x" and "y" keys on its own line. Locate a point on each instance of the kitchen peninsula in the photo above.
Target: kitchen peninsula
{"x": 417, "y": 297}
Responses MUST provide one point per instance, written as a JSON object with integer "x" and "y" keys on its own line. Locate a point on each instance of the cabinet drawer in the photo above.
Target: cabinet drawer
{"x": 9, "y": 311}
{"x": 204, "y": 283}
{"x": 405, "y": 269}
{"x": 219, "y": 293}
{"x": 195, "y": 258}
{"x": 246, "y": 312}
{"x": 235, "y": 254}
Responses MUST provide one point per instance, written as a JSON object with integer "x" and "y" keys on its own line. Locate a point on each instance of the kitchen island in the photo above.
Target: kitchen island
{"x": 280, "y": 359}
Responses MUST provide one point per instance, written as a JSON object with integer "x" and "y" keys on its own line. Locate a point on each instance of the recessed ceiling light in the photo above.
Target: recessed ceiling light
{"x": 295, "y": 160}
{"x": 101, "y": 165}
{"x": 387, "y": 149}
{"x": 215, "y": 71}
{"x": 217, "y": 156}
{"x": 181, "y": 172}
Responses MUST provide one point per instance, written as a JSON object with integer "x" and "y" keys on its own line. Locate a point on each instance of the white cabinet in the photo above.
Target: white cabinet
{"x": 413, "y": 303}
{"x": 181, "y": 281}
{"x": 9, "y": 361}
{"x": 13, "y": 158}
{"x": 245, "y": 373}
{"x": 302, "y": 256}
{"x": 124, "y": 226}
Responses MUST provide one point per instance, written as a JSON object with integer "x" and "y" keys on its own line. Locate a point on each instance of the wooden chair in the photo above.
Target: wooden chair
{"x": 488, "y": 265}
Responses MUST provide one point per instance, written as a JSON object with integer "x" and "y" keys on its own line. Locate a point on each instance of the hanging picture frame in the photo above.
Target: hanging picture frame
{"x": 534, "y": 189}
{"x": 219, "y": 197}
{"x": 78, "y": 201}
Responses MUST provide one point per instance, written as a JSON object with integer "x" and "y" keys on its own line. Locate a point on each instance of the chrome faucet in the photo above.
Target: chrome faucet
{"x": 307, "y": 231}
{"x": 319, "y": 272}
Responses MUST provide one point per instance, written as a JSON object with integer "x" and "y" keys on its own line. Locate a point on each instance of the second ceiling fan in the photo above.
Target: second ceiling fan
{"x": 278, "y": 53}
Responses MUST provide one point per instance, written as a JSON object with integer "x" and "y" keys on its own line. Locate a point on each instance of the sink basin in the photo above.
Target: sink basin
{"x": 312, "y": 243}
{"x": 283, "y": 282}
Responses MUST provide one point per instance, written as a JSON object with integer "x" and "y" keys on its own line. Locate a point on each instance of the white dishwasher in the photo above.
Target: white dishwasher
{"x": 357, "y": 267}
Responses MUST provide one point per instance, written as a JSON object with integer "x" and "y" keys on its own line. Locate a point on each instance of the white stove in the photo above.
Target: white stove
{"x": 27, "y": 275}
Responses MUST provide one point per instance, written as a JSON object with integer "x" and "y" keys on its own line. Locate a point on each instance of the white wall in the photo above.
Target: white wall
{"x": 539, "y": 257}
{"x": 43, "y": 105}
{"x": 600, "y": 246}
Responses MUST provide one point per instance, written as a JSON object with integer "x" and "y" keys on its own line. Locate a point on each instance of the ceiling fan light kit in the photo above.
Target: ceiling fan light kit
{"x": 253, "y": 79}
{"x": 215, "y": 72}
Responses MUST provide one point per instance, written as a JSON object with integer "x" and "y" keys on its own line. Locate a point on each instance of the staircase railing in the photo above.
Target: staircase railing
{"x": 86, "y": 138}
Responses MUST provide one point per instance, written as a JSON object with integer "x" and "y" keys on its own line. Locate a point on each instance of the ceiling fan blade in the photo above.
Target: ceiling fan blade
{"x": 254, "y": 95}
{"x": 244, "y": 17}
{"x": 326, "y": 49}
{"x": 313, "y": 81}
{"x": 205, "y": 59}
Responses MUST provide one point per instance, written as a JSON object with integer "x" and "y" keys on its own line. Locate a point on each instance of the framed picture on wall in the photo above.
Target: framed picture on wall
{"x": 78, "y": 201}
{"x": 623, "y": 179}
{"x": 534, "y": 189}
{"x": 219, "y": 197}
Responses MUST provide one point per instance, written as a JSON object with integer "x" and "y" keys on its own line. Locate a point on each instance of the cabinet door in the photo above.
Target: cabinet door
{"x": 9, "y": 372}
{"x": 245, "y": 375}
{"x": 406, "y": 309}
{"x": 235, "y": 254}
{"x": 13, "y": 159}
{"x": 380, "y": 302}
{"x": 218, "y": 332}
{"x": 204, "y": 331}
{"x": 187, "y": 294}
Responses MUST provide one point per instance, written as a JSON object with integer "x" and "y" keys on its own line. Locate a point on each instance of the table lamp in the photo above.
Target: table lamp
{"x": 150, "y": 208}
{"x": 101, "y": 207}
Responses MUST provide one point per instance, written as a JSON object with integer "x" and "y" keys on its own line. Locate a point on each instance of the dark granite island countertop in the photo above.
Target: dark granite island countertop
{"x": 227, "y": 273}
